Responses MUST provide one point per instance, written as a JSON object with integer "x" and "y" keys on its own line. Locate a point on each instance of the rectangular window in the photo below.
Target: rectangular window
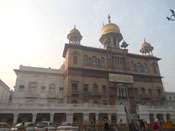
{"x": 75, "y": 60}
{"x": 86, "y": 60}
{"x": 102, "y": 63}
{"x": 21, "y": 88}
{"x": 132, "y": 66}
{"x": 94, "y": 61}
{"x": 143, "y": 91}
{"x": 74, "y": 86}
{"x": 85, "y": 87}
{"x": 150, "y": 92}
{"x": 136, "y": 91}
{"x": 61, "y": 89}
{"x": 104, "y": 89}
{"x": 43, "y": 89}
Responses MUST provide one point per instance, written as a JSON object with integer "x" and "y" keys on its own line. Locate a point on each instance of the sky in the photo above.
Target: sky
{"x": 33, "y": 32}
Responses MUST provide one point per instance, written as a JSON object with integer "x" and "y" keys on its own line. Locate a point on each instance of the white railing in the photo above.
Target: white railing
{"x": 7, "y": 105}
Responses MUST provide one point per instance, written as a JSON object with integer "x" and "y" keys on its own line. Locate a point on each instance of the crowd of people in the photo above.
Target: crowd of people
{"x": 133, "y": 125}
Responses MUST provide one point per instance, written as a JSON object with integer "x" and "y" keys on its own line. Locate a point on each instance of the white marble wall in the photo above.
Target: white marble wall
{"x": 4, "y": 94}
{"x": 38, "y": 86}
{"x": 144, "y": 111}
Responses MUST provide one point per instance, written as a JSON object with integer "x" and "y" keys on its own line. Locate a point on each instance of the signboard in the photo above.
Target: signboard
{"x": 120, "y": 78}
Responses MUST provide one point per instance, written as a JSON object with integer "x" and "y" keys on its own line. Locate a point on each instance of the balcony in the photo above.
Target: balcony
{"x": 51, "y": 96}
{"x": 75, "y": 93}
{"x": 86, "y": 95}
{"x": 160, "y": 98}
{"x": 145, "y": 97}
{"x": 31, "y": 95}
{"x": 96, "y": 94}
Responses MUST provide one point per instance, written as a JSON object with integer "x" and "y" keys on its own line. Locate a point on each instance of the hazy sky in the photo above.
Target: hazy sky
{"x": 33, "y": 32}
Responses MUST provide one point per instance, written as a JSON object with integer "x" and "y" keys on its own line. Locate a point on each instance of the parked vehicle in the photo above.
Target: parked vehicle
{"x": 68, "y": 126}
{"x": 45, "y": 126}
{"x": 28, "y": 126}
{"x": 4, "y": 126}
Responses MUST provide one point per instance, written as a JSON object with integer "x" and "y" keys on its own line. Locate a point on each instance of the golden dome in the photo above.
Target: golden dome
{"x": 74, "y": 31}
{"x": 145, "y": 44}
{"x": 110, "y": 28}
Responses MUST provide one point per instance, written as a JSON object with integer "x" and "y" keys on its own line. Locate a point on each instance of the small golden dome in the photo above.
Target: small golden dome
{"x": 145, "y": 44}
{"x": 110, "y": 28}
{"x": 74, "y": 31}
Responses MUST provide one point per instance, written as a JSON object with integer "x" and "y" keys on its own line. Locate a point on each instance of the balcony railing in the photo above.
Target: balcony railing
{"x": 75, "y": 93}
{"x": 31, "y": 95}
{"x": 144, "y": 97}
{"x": 96, "y": 94}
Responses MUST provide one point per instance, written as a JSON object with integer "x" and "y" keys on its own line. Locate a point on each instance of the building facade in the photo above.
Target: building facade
{"x": 93, "y": 84}
{"x": 4, "y": 93}
{"x": 111, "y": 76}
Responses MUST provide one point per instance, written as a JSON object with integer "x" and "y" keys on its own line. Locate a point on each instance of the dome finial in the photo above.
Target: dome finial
{"x": 109, "y": 18}
{"x": 74, "y": 26}
{"x": 144, "y": 39}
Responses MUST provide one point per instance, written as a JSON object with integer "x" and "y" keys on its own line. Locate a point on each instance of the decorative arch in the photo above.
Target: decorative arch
{"x": 95, "y": 88}
{"x": 52, "y": 88}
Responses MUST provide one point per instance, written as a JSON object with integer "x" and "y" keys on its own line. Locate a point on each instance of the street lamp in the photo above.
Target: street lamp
{"x": 172, "y": 17}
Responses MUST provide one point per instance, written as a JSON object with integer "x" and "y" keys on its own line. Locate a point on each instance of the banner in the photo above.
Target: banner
{"x": 120, "y": 78}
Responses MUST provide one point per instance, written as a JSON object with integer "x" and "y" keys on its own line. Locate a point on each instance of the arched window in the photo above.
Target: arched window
{"x": 74, "y": 101}
{"x": 75, "y": 59}
{"x": 86, "y": 60}
{"x": 32, "y": 87}
{"x": 145, "y": 67}
{"x": 154, "y": 69}
{"x": 52, "y": 89}
{"x": 143, "y": 91}
{"x": 94, "y": 61}
{"x": 138, "y": 67}
{"x": 102, "y": 62}
{"x": 132, "y": 66}
{"x": 159, "y": 93}
{"x": 95, "y": 88}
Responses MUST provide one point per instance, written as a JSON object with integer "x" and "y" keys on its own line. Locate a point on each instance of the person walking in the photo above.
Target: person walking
{"x": 120, "y": 125}
{"x": 156, "y": 126}
{"x": 141, "y": 125}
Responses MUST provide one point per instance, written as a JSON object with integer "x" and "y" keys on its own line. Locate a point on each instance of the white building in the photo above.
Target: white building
{"x": 4, "y": 93}
{"x": 38, "y": 86}
{"x": 170, "y": 99}
{"x": 39, "y": 96}
{"x": 150, "y": 113}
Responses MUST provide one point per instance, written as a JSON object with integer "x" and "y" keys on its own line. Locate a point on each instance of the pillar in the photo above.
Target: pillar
{"x": 33, "y": 117}
{"x": 96, "y": 116}
{"x": 15, "y": 118}
{"x": 164, "y": 117}
{"x": 51, "y": 117}
{"x": 155, "y": 116}
{"x": 85, "y": 117}
{"x": 109, "y": 117}
{"x": 69, "y": 117}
